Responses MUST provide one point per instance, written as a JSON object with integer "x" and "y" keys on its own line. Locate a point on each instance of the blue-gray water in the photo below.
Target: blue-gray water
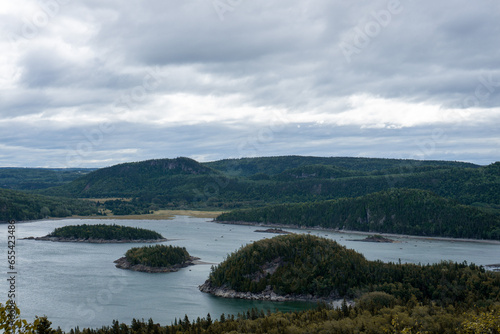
{"x": 77, "y": 284}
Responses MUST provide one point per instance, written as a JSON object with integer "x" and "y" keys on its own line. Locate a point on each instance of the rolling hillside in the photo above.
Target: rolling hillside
{"x": 183, "y": 182}
{"x": 449, "y": 199}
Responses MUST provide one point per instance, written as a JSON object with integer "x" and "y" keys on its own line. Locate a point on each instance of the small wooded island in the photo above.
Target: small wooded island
{"x": 273, "y": 230}
{"x": 375, "y": 238}
{"x": 311, "y": 268}
{"x": 156, "y": 259}
{"x": 102, "y": 233}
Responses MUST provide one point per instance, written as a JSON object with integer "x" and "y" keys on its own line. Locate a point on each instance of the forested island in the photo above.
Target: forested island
{"x": 400, "y": 211}
{"x": 306, "y": 267}
{"x": 102, "y": 233}
{"x": 273, "y": 230}
{"x": 156, "y": 259}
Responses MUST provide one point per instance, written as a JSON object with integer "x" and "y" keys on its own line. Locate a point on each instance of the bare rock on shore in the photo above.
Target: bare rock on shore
{"x": 273, "y": 230}
{"x": 268, "y": 294}
{"x": 375, "y": 238}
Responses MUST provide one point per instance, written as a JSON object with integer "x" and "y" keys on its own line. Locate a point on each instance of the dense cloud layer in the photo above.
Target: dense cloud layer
{"x": 93, "y": 83}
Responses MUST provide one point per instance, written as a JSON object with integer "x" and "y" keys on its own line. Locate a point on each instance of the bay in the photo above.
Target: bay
{"x": 77, "y": 284}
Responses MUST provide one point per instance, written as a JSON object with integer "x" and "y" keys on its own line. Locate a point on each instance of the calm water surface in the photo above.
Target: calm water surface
{"x": 77, "y": 284}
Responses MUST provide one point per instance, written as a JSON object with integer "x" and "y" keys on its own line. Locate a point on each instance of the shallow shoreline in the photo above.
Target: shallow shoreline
{"x": 158, "y": 215}
{"x": 122, "y": 263}
{"x": 393, "y": 235}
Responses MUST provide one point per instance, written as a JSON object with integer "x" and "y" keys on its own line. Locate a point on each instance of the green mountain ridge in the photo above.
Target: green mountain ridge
{"x": 144, "y": 186}
{"x": 183, "y": 182}
{"x": 278, "y": 164}
{"x": 133, "y": 178}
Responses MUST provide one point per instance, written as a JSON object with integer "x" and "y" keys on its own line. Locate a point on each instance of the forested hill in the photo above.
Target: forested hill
{"x": 278, "y": 164}
{"x": 183, "y": 182}
{"x": 134, "y": 179}
{"x": 402, "y": 211}
{"x": 19, "y": 205}
{"x": 301, "y": 264}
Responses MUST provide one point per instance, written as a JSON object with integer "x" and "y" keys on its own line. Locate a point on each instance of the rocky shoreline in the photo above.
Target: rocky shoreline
{"x": 268, "y": 294}
{"x": 93, "y": 241}
{"x": 123, "y": 263}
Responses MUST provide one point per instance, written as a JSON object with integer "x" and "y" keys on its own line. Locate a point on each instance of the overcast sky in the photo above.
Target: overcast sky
{"x": 94, "y": 83}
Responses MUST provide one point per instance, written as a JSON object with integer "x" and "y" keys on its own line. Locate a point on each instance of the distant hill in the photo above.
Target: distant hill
{"x": 276, "y": 165}
{"x": 300, "y": 264}
{"x": 183, "y": 182}
{"x": 134, "y": 179}
{"x": 38, "y": 178}
{"x": 19, "y": 205}
{"x": 402, "y": 211}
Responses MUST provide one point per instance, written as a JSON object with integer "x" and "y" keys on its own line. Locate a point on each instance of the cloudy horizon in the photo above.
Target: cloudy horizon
{"x": 92, "y": 84}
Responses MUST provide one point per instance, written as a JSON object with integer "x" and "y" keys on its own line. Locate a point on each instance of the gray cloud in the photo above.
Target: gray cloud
{"x": 410, "y": 68}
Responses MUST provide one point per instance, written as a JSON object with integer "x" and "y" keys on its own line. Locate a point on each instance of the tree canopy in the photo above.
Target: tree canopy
{"x": 304, "y": 264}
{"x": 104, "y": 232}
{"x": 157, "y": 255}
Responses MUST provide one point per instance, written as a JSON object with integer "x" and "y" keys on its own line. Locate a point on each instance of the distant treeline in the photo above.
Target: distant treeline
{"x": 304, "y": 264}
{"x": 20, "y": 205}
{"x": 38, "y": 178}
{"x": 157, "y": 255}
{"x": 104, "y": 232}
{"x": 402, "y": 211}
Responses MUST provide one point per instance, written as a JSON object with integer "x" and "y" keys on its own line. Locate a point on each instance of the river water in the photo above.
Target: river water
{"x": 77, "y": 284}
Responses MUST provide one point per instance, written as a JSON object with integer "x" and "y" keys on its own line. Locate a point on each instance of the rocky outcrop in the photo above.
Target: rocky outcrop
{"x": 375, "y": 238}
{"x": 123, "y": 263}
{"x": 494, "y": 267}
{"x": 267, "y": 294}
{"x": 273, "y": 230}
